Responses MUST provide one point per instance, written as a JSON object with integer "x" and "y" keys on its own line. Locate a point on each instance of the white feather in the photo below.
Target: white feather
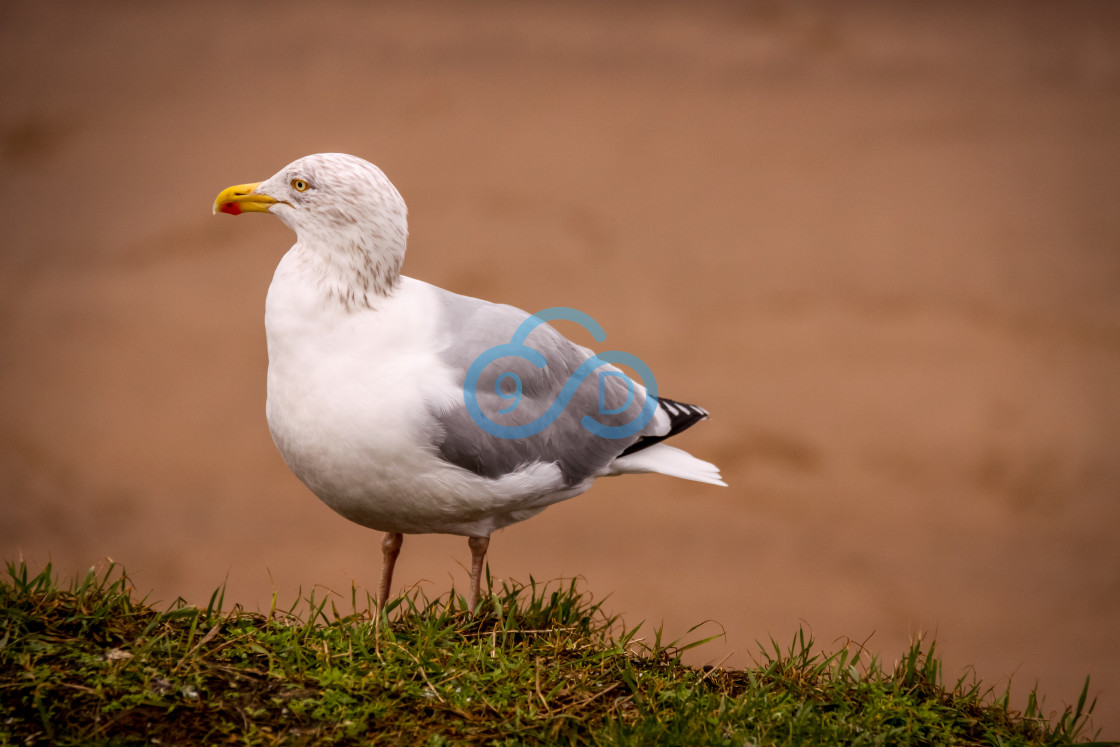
{"x": 667, "y": 460}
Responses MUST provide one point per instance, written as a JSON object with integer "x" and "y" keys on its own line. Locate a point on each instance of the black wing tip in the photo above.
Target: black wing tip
{"x": 682, "y": 416}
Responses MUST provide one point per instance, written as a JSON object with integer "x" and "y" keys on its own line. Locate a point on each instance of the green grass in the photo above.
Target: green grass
{"x": 89, "y": 664}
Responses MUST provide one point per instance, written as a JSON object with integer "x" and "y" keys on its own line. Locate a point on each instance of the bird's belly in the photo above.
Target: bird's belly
{"x": 364, "y": 451}
{"x": 356, "y": 439}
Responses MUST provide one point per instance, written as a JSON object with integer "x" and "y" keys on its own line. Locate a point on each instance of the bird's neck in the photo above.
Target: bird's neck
{"x": 356, "y": 273}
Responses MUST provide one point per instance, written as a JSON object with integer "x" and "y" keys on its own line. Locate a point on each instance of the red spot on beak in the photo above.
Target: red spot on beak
{"x": 230, "y": 207}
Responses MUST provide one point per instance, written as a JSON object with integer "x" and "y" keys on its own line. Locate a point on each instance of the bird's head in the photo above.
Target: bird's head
{"x": 342, "y": 208}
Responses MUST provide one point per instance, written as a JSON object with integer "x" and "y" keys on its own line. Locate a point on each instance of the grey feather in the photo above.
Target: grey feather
{"x": 471, "y": 327}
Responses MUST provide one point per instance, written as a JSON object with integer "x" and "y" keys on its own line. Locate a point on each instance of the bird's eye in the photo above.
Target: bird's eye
{"x": 300, "y": 185}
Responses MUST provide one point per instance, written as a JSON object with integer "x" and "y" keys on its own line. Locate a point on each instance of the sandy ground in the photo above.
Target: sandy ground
{"x": 881, "y": 243}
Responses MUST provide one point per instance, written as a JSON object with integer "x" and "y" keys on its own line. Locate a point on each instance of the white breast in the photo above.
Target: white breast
{"x": 347, "y": 388}
{"x": 350, "y": 393}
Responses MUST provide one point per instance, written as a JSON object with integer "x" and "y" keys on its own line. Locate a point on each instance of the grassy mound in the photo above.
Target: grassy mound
{"x": 88, "y": 664}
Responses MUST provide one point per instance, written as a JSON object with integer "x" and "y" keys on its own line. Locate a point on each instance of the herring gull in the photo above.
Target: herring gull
{"x": 390, "y": 398}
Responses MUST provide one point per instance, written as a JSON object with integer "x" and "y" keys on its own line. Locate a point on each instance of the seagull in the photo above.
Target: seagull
{"x": 390, "y": 398}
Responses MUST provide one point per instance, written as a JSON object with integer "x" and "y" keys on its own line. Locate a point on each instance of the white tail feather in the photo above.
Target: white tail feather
{"x": 667, "y": 460}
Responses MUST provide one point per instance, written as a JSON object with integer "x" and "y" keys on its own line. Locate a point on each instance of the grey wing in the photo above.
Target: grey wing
{"x": 469, "y": 328}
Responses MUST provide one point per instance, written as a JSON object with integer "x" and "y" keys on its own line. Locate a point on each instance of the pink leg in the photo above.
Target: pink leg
{"x": 391, "y": 547}
{"x": 478, "y": 547}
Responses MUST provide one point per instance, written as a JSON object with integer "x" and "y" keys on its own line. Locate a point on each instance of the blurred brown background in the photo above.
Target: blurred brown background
{"x": 880, "y": 242}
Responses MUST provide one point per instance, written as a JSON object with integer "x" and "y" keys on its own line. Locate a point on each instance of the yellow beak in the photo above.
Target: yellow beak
{"x": 242, "y": 198}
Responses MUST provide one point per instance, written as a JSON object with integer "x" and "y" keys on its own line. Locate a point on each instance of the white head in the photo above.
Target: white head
{"x": 346, "y": 214}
